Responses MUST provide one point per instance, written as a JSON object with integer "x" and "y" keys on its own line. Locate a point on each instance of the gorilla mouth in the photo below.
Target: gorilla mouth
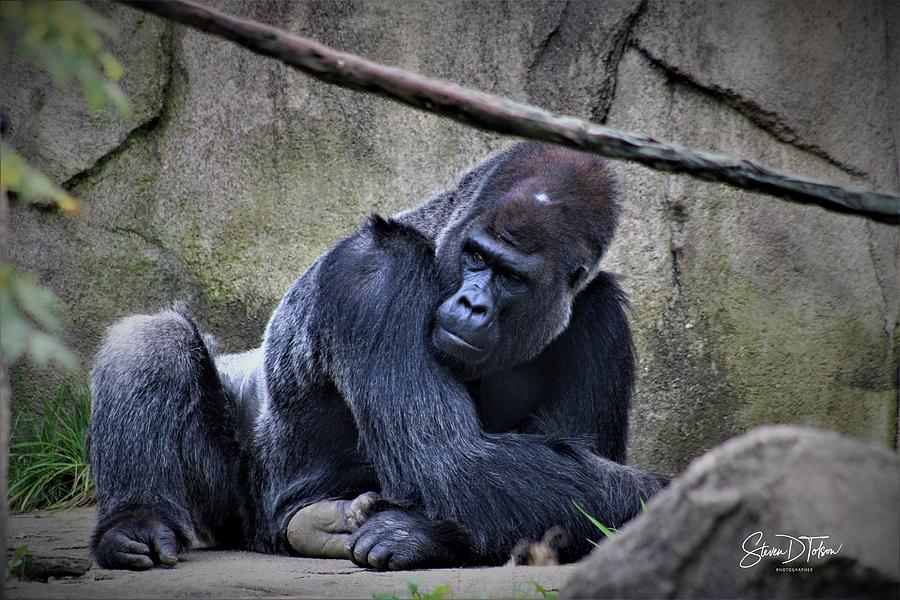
{"x": 455, "y": 345}
{"x": 458, "y": 340}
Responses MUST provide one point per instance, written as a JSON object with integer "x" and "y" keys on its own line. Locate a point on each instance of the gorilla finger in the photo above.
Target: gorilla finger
{"x": 336, "y": 546}
{"x": 402, "y": 561}
{"x": 166, "y": 553}
{"x": 361, "y": 509}
{"x": 361, "y": 549}
{"x": 134, "y": 547}
{"x": 165, "y": 546}
{"x": 364, "y": 502}
{"x": 353, "y": 538}
{"x": 133, "y": 561}
{"x": 380, "y": 556}
{"x": 122, "y": 542}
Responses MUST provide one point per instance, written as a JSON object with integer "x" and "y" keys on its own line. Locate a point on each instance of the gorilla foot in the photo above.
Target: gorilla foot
{"x": 137, "y": 545}
{"x": 321, "y": 530}
{"x": 396, "y": 540}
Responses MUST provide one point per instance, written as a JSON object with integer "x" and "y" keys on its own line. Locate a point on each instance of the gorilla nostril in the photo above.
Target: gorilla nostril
{"x": 472, "y": 307}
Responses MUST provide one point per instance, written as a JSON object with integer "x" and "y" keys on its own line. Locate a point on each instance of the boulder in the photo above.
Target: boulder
{"x": 780, "y": 512}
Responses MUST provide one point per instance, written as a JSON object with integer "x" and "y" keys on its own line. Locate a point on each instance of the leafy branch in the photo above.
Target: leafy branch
{"x": 65, "y": 39}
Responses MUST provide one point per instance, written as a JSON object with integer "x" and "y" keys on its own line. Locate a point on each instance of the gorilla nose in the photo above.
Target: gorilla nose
{"x": 475, "y": 309}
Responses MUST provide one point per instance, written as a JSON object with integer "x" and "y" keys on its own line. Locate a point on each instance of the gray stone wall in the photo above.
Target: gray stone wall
{"x": 236, "y": 173}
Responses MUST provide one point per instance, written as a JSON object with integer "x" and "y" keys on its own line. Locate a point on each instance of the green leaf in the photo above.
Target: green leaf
{"x": 15, "y": 562}
{"x": 440, "y": 592}
{"x": 37, "y": 301}
{"x": 29, "y": 184}
{"x": 545, "y": 595}
{"x": 111, "y": 67}
{"x": 117, "y": 98}
{"x": 413, "y": 585}
{"x": 14, "y": 340}
{"x": 20, "y": 337}
{"x": 66, "y": 39}
{"x": 610, "y": 533}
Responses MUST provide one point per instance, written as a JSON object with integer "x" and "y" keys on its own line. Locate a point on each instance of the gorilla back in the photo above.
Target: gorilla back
{"x": 468, "y": 360}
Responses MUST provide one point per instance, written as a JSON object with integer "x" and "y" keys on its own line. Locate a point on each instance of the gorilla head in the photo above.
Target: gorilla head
{"x": 537, "y": 225}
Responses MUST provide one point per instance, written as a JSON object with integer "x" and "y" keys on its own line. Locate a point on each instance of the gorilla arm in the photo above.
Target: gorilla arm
{"x": 477, "y": 493}
{"x": 590, "y": 372}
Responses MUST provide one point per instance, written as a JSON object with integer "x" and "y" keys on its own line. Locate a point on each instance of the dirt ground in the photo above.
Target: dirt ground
{"x": 206, "y": 573}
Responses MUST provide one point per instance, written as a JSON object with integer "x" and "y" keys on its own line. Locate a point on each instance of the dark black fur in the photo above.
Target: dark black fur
{"x": 348, "y": 393}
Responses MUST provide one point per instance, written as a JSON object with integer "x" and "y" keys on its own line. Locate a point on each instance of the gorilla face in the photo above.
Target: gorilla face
{"x": 533, "y": 236}
{"x": 509, "y": 305}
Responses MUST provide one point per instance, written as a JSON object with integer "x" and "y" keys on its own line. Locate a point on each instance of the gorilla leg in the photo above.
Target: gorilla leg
{"x": 322, "y": 529}
{"x": 163, "y": 444}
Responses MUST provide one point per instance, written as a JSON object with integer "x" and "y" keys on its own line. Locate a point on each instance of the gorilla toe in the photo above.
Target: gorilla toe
{"x": 137, "y": 546}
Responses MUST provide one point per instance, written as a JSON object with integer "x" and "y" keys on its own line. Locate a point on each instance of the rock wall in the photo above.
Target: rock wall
{"x": 236, "y": 173}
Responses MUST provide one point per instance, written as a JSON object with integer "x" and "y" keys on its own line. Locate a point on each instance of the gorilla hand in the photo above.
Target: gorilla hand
{"x": 321, "y": 530}
{"x": 397, "y": 539}
{"x": 137, "y": 545}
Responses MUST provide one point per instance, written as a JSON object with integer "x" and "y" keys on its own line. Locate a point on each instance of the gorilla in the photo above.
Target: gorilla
{"x": 434, "y": 389}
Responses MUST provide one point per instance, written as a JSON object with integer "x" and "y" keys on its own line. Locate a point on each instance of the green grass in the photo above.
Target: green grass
{"x": 415, "y": 592}
{"x": 609, "y": 532}
{"x": 48, "y": 458}
{"x": 545, "y": 594}
{"x": 444, "y": 592}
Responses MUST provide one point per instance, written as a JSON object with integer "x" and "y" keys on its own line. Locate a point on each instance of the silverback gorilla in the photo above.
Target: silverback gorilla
{"x": 435, "y": 388}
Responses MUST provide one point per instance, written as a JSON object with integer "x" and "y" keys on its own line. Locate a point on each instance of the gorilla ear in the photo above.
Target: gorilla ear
{"x": 577, "y": 276}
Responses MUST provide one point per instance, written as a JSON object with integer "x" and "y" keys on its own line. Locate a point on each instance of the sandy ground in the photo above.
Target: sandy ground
{"x": 206, "y": 573}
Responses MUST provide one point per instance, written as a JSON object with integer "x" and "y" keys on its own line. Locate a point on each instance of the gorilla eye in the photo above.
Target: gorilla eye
{"x": 475, "y": 257}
